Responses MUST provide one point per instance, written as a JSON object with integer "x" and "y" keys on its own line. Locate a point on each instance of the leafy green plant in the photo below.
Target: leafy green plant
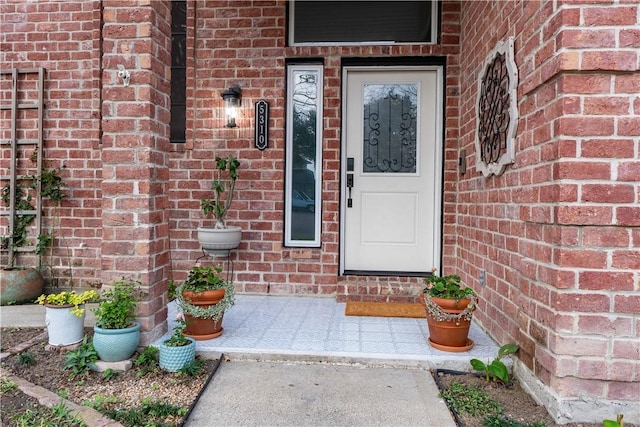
{"x": 7, "y": 385}
{"x": 178, "y": 339}
{"x": 192, "y": 368}
{"x": 116, "y": 306}
{"x": 202, "y": 279}
{"x": 496, "y": 369}
{"x": 50, "y": 188}
{"x": 27, "y": 359}
{"x": 470, "y": 400}
{"x": 51, "y": 185}
{"x": 149, "y": 413}
{"x": 500, "y": 421}
{"x": 56, "y": 416}
{"x": 147, "y": 361}
{"x": 171, "y": 290}
{"x": 81, "y": 359}
{"x": 69, "y": 298}
{"x": 448, "y": 287}
{"x": 224, "y": 181}
{"x": 22, "y": 202}
{"x": 109, "y": 374}
{"x": 100, "y": 402}
{"x": 619, "y": 422}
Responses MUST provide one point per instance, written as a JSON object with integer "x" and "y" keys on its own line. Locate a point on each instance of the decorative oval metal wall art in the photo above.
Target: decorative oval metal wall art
{"x": 497, "y": 110}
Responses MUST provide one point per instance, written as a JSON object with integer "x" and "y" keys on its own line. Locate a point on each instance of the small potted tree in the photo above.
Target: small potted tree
{"x": 116, "y": 333}
{"x": 203, "y": 298}
{"x": 218, "y": 240}
{"x": 179, "y": 350}
{"x": 449, "y": 307}
{"x": 64, "y": 315}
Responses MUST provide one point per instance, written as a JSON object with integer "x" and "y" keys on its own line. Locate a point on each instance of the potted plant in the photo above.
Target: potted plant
{"x": 203, "y": 298}
{"x": 116, "y": 333}
{"x": 64, "y": 315}
{"x": 179, "y": 350}
{"x": 449, "y": 307}
{"x": 218, "y": 240}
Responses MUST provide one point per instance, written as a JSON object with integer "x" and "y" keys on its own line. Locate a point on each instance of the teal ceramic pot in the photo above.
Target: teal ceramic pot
{"x": 175, "y": 358}
{"x": 115, "y": 345}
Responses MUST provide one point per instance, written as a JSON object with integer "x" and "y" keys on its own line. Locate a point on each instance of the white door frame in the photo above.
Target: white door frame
{"x": 438, "y": 222}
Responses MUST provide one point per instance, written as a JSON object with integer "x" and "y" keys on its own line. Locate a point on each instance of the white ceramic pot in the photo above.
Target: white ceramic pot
{"x": 218, "y": 242}
{"x": 64, "y": 327}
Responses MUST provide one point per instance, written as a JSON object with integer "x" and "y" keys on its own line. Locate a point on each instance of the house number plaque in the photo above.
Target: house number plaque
{"x": 262, "y": 124}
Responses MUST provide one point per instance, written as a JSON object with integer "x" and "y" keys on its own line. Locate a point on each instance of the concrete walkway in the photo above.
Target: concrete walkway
{"x": 299, "y": 361}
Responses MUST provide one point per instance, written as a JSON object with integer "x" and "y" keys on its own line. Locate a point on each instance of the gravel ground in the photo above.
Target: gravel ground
{"x": 125, "y": 390}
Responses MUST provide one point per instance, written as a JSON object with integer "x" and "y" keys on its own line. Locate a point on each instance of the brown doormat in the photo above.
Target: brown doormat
{"x": 384, "y": 309}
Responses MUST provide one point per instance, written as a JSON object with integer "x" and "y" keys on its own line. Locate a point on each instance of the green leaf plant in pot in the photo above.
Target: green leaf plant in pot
{"x": 218, "y": 240}
{"x": 117, "y": 333}
{"x": 449, "y": 307}
{"x": 65, "y": 314}
{"x": 203, "y": 298}
{"x": 178, "y": 351}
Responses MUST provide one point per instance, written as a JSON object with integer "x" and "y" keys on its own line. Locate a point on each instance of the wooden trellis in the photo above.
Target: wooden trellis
{"x": 25, "y": 132}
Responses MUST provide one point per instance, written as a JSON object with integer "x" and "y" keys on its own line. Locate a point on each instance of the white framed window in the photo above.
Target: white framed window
{"x": 303, "y": 176}
{"x": 370, "y": 22}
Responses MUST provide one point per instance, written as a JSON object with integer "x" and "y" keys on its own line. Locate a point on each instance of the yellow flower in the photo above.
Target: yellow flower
{"x": 69, "y": 298}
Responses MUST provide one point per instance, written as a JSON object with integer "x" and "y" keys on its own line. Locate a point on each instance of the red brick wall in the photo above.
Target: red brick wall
{"x": 63, "y": 37}
{"x": 244, "y": 43}
{"x": 557, "y": 233}
{"x": 135, "y": 151}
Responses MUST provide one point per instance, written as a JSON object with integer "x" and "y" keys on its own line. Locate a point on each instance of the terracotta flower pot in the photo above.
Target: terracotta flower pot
{"x": 450, "y": 335}
{"x": 204, "y": 298}
{"x": 203, "y": 328}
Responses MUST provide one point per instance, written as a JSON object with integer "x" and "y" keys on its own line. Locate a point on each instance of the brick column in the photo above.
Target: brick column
{"x": 134, "y": 151}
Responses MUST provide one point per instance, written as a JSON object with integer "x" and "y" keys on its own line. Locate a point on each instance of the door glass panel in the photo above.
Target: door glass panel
{"x": 390, "y": 128}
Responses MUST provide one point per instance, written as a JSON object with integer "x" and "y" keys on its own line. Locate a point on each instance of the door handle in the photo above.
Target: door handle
{"x": 349, "y": 187}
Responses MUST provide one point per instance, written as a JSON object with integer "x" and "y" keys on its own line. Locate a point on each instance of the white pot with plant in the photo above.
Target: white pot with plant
{"x": 218, "y": 240}
{"x": 64, "y": 315}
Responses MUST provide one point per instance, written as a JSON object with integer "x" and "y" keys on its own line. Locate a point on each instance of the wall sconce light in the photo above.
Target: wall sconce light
{"x": 231, "y": 97}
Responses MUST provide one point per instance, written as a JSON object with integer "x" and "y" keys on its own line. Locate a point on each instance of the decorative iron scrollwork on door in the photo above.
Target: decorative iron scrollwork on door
{"x": 497, "y": 110}
{"x": 390, "y": 129}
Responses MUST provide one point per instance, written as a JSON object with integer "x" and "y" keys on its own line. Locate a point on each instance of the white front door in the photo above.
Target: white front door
{"x": 392, "y": 170}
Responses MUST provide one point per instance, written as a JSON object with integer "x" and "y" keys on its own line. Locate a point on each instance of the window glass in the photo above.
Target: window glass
{"x": 362, "y": 21}
{"x": 390, "y": 128}
{"x": 304, "y": 143}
